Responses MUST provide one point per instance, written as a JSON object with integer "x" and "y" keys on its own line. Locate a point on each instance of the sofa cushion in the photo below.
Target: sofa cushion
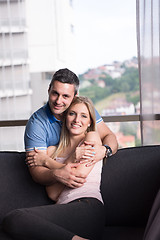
{"x": 17, "y": 189}
{"x": 123, "y": 233}
{"x": 3, "y": 235}
{"x": 130, "y": 181}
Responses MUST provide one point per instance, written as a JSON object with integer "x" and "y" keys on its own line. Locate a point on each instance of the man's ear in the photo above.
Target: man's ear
{"x": 49, "y": 88}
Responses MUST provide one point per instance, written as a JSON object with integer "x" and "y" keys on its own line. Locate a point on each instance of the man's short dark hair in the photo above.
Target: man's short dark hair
{"x": 65, "y": 76}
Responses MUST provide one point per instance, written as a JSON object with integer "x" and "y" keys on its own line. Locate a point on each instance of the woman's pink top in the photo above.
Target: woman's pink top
{"x": 91, "y": 187}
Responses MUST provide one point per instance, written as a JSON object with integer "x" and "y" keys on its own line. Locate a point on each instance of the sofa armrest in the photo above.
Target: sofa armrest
{"x": 17, "y": 189}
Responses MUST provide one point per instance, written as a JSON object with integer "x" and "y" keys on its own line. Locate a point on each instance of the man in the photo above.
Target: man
{"x": 44, "y": 126}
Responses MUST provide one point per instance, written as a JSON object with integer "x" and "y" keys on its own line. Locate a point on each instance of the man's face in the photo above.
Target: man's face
{"x": 60, "y": 97}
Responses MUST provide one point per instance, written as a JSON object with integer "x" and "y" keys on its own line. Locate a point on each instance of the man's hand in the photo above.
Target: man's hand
{"x": 84, "y": 152}
{"x": 35, "y": 158}
{"x": 66, "y": 175}
{"x": 90, "y": 153}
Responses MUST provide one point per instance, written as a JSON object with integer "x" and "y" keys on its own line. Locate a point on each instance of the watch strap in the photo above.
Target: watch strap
{"x": 108, "y": 151}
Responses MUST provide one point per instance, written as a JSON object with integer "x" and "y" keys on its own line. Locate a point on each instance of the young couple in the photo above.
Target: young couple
{"x": 71, "y": 172}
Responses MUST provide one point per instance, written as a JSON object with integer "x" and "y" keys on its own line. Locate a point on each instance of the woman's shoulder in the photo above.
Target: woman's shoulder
{"x": 92, "y": 134}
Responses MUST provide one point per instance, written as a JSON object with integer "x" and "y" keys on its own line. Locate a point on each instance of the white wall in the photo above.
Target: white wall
{"x": 51, "y": 42}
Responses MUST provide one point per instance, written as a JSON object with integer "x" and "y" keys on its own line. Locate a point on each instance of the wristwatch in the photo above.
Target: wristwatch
{"x": 108, "y": 151}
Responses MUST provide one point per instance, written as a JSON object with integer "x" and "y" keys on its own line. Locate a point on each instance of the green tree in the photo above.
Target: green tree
{"x": 95, "y": 92}
{"x": 127, "y": 83}
{"x": 107, "y": 79}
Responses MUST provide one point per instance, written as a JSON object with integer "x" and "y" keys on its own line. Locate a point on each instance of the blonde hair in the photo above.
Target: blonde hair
{"x": 65, "y": 137}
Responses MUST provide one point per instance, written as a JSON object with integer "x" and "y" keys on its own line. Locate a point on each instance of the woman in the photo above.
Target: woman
{"x": 78, "y": 213}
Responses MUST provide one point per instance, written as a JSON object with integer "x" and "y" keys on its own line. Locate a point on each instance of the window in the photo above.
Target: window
{"x": 105, "y": 58}
{"x": 107, "y": 62}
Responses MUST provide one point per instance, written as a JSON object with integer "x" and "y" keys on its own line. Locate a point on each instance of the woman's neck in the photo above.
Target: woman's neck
{"x": 75, "y": 140}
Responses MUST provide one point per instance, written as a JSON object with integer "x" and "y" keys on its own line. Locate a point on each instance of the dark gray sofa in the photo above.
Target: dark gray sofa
{"x": 130, "y": 182}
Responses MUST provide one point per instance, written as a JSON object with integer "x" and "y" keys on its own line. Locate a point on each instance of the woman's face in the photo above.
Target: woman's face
{"x": 78, "y": 119}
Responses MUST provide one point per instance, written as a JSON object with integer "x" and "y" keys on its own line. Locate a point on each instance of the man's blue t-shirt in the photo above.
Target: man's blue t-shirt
{"x": 43, "y": 129}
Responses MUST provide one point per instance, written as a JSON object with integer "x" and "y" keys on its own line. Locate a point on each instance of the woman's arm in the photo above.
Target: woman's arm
{"x": 54, "y": 190}
{"x": 39, "y": 158}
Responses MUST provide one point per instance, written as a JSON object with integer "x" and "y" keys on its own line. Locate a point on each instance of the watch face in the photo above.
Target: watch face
{"x": 109, "y": 153}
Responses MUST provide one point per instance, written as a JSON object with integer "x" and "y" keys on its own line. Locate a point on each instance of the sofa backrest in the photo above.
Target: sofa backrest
{"x": 130, "y": 181}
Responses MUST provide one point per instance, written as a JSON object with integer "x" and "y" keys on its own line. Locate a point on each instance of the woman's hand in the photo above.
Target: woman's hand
{"x": 85, "y": 153}
{"x": 99, "y": 153}
{"x": 36, "y": 158}
{"x": 90, "y": 153}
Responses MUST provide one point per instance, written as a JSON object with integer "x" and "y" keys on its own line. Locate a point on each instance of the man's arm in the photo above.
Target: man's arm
{"x": 64, "y": 174}
{"x": 107, "y": 136}
{"x": 39, "y": 174}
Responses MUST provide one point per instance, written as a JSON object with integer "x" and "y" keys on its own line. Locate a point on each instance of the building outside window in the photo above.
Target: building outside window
{"x": 36, "y": 39}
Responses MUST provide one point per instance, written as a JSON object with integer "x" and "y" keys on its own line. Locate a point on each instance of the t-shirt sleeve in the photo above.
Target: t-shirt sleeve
{"x": 35, "y": 135}
{"x": 98, "y": 117}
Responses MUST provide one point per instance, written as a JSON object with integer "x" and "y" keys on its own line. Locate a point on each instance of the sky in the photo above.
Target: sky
{"x": 105, "y": 31}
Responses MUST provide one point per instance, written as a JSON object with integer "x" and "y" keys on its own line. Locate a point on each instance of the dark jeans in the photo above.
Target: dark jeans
{"x": 83, "y": 217}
